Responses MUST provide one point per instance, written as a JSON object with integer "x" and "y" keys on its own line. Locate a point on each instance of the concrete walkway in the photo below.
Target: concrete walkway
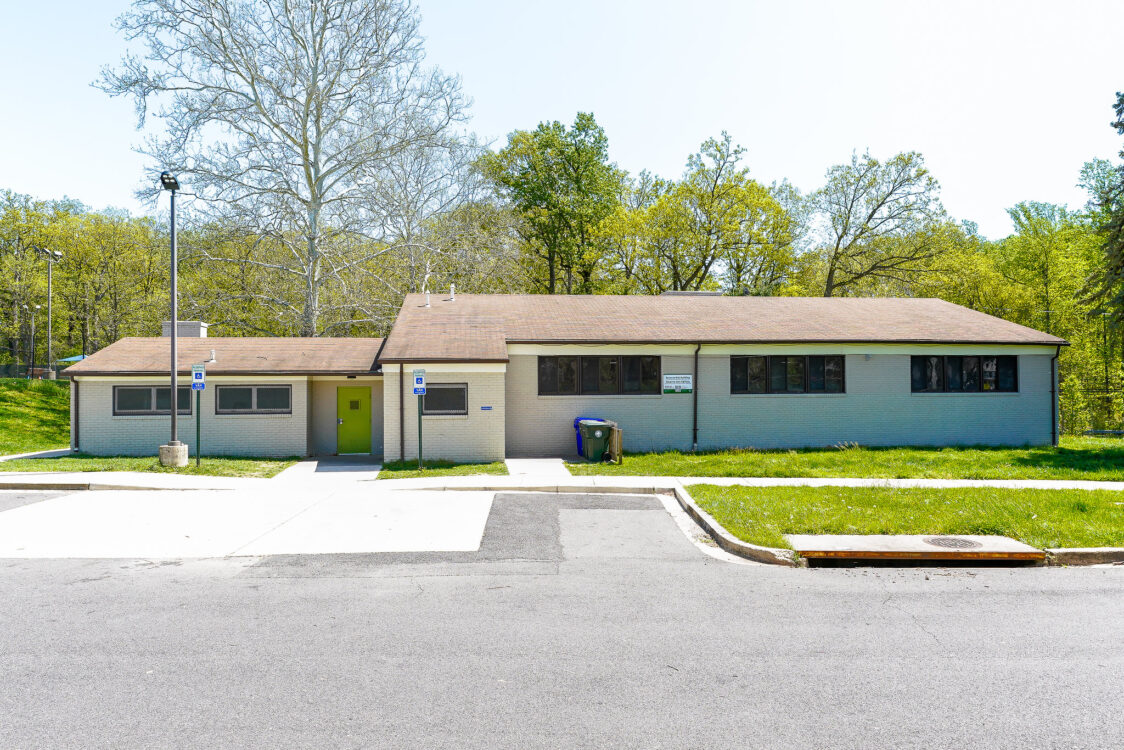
{"x": 538, "y": 467}
{"x": 54, "y": 453}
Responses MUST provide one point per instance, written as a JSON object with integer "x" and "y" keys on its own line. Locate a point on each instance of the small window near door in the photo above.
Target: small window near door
{"x": 445, "y": 399}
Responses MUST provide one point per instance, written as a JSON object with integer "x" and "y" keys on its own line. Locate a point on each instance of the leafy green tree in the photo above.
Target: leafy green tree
{"x": 563, "y": 186}
{"x": 1105, "y": 183}
{"x": 876, "y": 219}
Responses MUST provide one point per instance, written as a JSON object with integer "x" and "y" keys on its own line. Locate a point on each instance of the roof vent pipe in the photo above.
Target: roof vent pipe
{"x": 452, "y": 292}
{"x": 425, "y": 289}
{"x": 427, "y": 299}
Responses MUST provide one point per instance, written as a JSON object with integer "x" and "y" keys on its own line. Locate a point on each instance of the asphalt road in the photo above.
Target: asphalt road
{"x": 583, "y": 622}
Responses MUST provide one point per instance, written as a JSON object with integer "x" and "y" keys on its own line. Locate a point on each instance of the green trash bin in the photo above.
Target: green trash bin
{"x": 595, "y": 438}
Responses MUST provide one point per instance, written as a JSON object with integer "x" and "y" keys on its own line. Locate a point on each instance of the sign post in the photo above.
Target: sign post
{"x": 419, "y": 391}
{"x": 198, "y": 383}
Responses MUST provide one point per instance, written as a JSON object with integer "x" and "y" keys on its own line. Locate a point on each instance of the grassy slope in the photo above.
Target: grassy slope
{"x": 1076, "y": 458}
{"x": 218, "y": 467}
{"x": 34, "y": 415}
{"x": 409, "y": 469}
{"x": 1041, "y": 518}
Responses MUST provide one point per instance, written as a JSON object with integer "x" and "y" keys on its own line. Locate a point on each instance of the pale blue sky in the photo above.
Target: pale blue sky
{"x": 1006, "y": 100}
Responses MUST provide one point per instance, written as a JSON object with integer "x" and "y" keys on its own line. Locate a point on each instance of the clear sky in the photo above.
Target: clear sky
{"x": 1006, "y": 100}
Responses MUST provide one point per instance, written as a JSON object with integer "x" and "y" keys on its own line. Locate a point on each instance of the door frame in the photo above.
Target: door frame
{"x": 367, "y": 391}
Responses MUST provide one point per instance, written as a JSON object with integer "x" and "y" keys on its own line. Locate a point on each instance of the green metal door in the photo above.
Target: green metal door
{"x": 353, "y": 420}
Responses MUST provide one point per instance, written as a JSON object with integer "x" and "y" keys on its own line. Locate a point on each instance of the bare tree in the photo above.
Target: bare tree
{"x": 875, "y": 218}
{"x": 287, "y": 118}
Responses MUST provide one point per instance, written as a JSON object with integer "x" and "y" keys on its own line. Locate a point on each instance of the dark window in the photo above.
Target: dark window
{"x": 970, "y": 378}
{"x": 445, "y": 398}
{"x": 234, "y": 398}
{"x": 1008, "y": 374}
{"x": 558, "y": 376}
{"x": 640, "y": 375}
{"x": 786, "y": 374}
{"x": 568, "y": 376}
{"x": 253, "y": 399}
{"x": 833, "y": 374}
{"x": 600, "y": 375}
{"x": 273, "y": 399}
{"x": 964, "y": 374}
{"x": 136, "y": 399}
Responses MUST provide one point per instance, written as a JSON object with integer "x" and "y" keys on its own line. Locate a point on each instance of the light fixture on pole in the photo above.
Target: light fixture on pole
{"x": 175, "y": 452}
{"x": 53, "y": 257}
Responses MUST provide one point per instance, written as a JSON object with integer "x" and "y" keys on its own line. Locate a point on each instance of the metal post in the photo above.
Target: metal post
{"x": 31, "y": 364}
{"x": 421, "y": 464}
{"x": 198, "y": 444}
{"x": 174, "y": 393}
{"x": 50, "y": 349}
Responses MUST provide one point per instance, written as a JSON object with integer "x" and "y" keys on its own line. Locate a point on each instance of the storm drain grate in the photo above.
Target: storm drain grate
{"x": 952, "y": 542}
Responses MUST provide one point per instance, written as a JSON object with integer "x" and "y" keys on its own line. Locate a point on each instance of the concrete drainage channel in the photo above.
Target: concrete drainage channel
{"x": 861, "y": 550}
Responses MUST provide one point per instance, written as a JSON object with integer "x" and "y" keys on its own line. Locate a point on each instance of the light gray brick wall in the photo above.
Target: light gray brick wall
{"x": 477, "y": 436}
{"x": 544, "y": 425}
{"x": 877, "y": 409}
{"x": 103, "y": 434}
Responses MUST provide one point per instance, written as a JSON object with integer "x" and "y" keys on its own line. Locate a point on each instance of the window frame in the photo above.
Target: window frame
{"x": 253, "y": 399}
{"x": 771, "y": 359}
{"x": 153, "y": 411}
{"x": 618, "y": 365}
{"x": 979, "y": 373}
{"x": 444, "y": 413}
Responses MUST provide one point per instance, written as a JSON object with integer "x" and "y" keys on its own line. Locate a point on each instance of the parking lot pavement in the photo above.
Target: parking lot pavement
{"x": 15, "y": 498}
{"x": 301, "y": 518}
{"x": 567, "y": 628}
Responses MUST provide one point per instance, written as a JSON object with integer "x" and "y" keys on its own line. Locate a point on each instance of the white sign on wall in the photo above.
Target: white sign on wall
{"x": 678, "y": 383}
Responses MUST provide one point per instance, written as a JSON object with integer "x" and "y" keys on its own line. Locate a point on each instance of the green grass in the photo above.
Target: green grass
{"x": 34, "y": 415}
{"x": 1040, "y": 518}
{"x": 409, "y": 469}
{"x": 1076, "y": 458}
{"x": 215, "y": 467}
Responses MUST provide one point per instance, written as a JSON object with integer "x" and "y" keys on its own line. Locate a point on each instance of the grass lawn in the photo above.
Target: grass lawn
{"x": 1040, "y": 518}
{"x": 1075, "y": 458}
{"x": 409, "y": 469}
{"x": 34, "y": 415}
{"x": 216, "y": 467}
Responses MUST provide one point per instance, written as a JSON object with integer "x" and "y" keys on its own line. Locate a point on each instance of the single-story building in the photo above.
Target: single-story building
{"x": 506, "y": 375}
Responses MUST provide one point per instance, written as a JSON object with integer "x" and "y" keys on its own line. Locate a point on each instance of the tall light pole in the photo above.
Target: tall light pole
{"x": 175, "y": 452}
{"x": 53, "y": 257}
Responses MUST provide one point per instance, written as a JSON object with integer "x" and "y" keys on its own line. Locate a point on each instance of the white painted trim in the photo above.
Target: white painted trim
{"x": 450, "y": 367}
{"x": 728, "y": 349}
{"x": 345, "y": 379}
{"x": 249, "y": 379}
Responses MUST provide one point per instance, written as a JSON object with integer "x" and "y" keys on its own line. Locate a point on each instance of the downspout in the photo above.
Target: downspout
{"x": 401, "y": 412}
{"x": 1054, "y": 396}
{"x": 75, "y": 408}
{"x": 695, "y": 400}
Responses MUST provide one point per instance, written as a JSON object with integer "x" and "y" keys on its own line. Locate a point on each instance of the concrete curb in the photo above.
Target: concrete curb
{"x": 730, "y": 543}
{"x": 73, "y": 486}
{"x": 1084, "y": 555}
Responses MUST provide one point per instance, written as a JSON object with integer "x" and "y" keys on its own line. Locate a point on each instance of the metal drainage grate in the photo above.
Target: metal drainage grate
{"x": 952, "y": 542}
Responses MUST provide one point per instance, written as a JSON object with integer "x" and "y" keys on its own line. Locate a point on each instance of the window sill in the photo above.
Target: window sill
{"x": 445, "y": 416}
{"x": 788, "y": 395}
{"x": 969, "y": 394}
{"x": 610, "y": 395}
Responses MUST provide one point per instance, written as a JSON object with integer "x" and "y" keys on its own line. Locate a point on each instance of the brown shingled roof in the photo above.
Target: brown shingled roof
{"x": 235, "y": 356}
{"x": 478, "y": 327}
